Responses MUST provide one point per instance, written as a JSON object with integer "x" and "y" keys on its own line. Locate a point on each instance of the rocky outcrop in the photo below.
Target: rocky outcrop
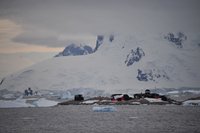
{"x": 74, "y": 50}
{"x": 151, "y": 75}
{"x": 176, "y": 39}
{"x": 134, "y": 56}
{"x": 99, "y": 41}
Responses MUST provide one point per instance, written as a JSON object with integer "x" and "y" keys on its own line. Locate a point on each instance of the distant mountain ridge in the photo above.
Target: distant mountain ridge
{"x": 118, "y": 64}
{"x": 80, "y": 49}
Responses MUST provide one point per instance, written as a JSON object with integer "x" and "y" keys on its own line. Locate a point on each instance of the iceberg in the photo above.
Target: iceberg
{"x": 104, "y": 109}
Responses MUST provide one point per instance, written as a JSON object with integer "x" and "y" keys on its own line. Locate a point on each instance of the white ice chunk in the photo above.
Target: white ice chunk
{"x": 104, "y": 109}
{"x": 44, "y": 103}
{"x": 90, "y": 101}
{"x": 153, "y": 100}
{"x": 14, "y": 103}
{"x": 191, "y": 103}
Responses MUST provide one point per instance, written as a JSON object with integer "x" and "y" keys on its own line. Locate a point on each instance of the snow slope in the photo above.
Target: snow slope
{"x": 161, "y": 64}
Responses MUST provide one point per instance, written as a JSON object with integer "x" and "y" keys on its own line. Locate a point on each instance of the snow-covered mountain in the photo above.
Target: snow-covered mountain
{"x": 74, "y": 50}
{"x": 118, "y": 64}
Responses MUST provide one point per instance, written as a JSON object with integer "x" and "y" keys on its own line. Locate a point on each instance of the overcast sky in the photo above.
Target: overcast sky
{"x": 49, "y": 25}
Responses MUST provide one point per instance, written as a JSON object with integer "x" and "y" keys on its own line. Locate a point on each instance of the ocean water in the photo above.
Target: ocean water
{"x": 82, "y": 119}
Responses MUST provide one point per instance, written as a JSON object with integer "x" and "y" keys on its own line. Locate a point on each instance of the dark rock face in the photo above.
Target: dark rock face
{"x": 2, "y": 81}
{"x": 74, "y": 50}
{"x": 144, "y": 76}
{"x": 111, "y": 38}
{"x": 177, "y": 39}
{"x": 99, "y": 41}
{"x": 134, "y": 56}
{"x": 150, "y": 75}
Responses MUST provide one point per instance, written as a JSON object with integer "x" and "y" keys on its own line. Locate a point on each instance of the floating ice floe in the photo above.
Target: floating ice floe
{"x": 153, "y": 100}
{"x": 42, "y": 102}
{"x": 104, "y": 109}
{"x": 136, "y": 103}
{"x": 191, "y": 103}
{"x": 90, "y": 101}
{"x": 14, "y": 103}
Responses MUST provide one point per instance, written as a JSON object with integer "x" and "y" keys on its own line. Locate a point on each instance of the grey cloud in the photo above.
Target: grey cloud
{"x": 51, "y": 41}
{"x": 94, "y": 17}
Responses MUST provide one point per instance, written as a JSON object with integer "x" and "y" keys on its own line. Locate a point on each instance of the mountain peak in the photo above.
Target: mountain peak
{"x": 75, "y": 50}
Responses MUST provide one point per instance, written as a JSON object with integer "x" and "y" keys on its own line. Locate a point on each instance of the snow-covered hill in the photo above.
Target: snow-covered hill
{"x": 118, "y": 64}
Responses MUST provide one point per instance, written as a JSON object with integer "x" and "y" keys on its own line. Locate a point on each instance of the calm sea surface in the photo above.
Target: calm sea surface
{"x": 81, "y": 119}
